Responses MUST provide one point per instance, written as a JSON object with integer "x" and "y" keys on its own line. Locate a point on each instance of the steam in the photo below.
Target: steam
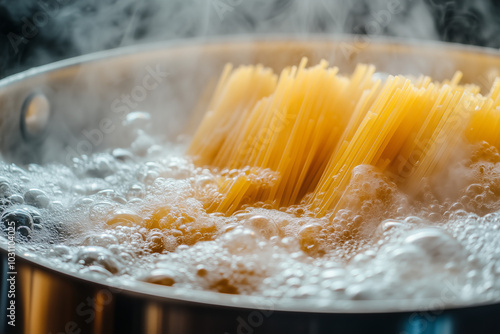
{"x": 40, "y": 31}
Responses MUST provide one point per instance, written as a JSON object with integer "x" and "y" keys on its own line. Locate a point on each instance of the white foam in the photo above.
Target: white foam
{"x": 95, "y": 223}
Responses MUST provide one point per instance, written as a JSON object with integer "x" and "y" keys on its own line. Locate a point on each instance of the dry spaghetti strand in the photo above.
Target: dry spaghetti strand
{"x": 280, "y": 139}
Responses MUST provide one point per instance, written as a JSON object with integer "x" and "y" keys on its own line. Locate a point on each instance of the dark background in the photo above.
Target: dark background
{"x": 35, "y": 32}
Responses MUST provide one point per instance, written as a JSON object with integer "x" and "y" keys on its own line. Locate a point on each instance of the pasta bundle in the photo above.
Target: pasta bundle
{"x": 296, "y": 138}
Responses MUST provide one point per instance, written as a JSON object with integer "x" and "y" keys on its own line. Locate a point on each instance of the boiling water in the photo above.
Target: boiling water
{"x": 101, "y": 218}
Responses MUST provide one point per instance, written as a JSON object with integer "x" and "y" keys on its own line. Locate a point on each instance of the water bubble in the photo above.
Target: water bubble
{"x": 228, "y": 227}
{"x": 107, "y": 193}
{"x": 61, "y": 250}
{"x": 119, "y": 199}
{"x": 358, "y": 292}
{"x": 136, "y": 191}
{"x": 437, "y": 244}
{"x": 94, "y": 255}
{"x": 100, "y": 210}
{"x": 263, "y": 225}
{"x": 100, "y": 167}
{"x": 153, "y": 176}
{"x": 161, "y": 276}
{"x": 24, "y": 231}
{"x": 240, "y": 240}
{"x": 96, "y": 272}
{"x": 101, "y": 239}
{"x": 308, "y": 234}
{"x": 34, "y": 212}
{"x": 413, "y": 220}
{"x": 205, "y": 181}
{"x": 201, "y": 271}
{"x": 390, "y": 225}
{"x": 293, "y": 282}
{"x": 122, "y": 155}
{"x": 333, "y": 273}
{"x": 18, "y": 217}
{"x": 155, "y": 243}
{"x": 36, "y": 197}
{"x": 16, "y": 199}
{"x": 5, "y": 189}
{"x": 307, "y": 291}
{"x": 136, "y": 201}
{"x": 16, "y": 170}
{"x": 129, "y": 257}
{"x": 403, "y": 255}
{"x": 124, "y": 217}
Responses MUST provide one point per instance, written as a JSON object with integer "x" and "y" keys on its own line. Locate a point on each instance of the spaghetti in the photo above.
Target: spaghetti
{"x": 297, "y": 138}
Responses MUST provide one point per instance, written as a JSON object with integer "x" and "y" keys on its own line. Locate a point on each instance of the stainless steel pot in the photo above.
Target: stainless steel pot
{"x": 76, "y": 95}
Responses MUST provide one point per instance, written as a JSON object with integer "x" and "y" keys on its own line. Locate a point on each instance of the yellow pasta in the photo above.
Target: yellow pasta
{"x": 296, "y": 138}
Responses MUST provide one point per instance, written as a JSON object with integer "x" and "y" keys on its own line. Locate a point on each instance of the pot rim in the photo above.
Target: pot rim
{"x": 240, "y": 39}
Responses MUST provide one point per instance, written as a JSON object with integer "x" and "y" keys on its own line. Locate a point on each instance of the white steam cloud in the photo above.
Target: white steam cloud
{"x": 42, "y": 31}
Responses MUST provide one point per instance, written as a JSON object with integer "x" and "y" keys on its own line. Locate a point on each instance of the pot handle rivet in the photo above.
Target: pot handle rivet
{"x": 35, "y": 114}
